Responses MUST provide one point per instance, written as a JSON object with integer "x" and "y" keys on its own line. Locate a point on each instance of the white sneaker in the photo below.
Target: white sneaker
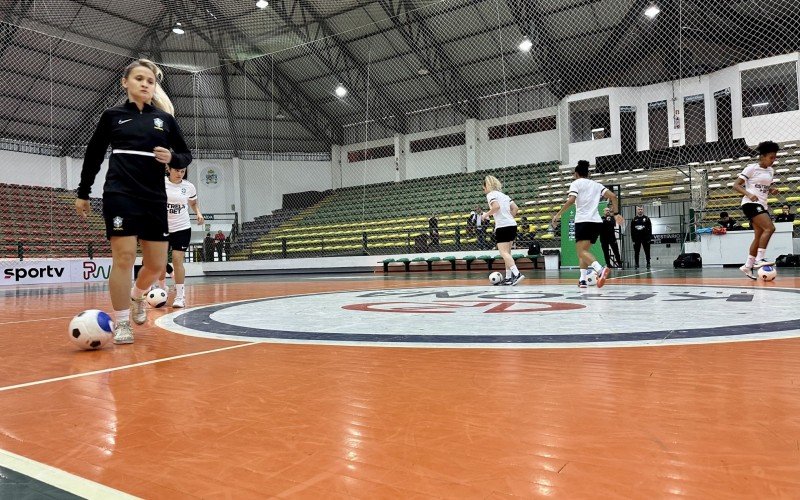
{"x": 179, "y": 302}
{"x": 139, "y": 311}
{"x": 123, "y": 333}
{"x": 763, "y": 262}
{"x": 748, "y": 271}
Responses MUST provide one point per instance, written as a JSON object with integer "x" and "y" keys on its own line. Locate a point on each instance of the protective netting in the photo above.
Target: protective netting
{"x": 353, "y": 127}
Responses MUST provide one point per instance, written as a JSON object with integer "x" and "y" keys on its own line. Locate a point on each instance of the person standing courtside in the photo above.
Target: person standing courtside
{"x": 641, "y": 234}
{"x": 608, "y": 239}
{"x": 585, "y": 194}
{"x": 144, "y": 137}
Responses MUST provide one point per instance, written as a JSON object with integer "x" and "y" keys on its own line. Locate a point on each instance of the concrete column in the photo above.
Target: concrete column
{"x": 336, "y": 166}
{"x": 473, "y": 143}
{"x": 400, "y": 158}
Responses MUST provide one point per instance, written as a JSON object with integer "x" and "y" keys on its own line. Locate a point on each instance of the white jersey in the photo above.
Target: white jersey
{"x": 587, "y": 195}
{"x": 178, "y": 196}
{"x": 503, "y": 217}
{"x": 757, "y": 181}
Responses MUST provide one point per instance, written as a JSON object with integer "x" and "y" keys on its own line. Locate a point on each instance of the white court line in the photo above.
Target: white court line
{"x": 637, "y": 274}
{"x": 58, "y": 478}
{"x": 124, "y": 367}
{"x": 348, "y": 278}
{"x": 33, "y": 320}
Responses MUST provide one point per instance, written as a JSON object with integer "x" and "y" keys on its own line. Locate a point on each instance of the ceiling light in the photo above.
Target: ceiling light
{"x": 340, "y": 91}
{"x": 280, "y": 116}
{"x": 652, "y": 11}
{"x": 177, "y": 29}
{"x": 760, "y": 104}
{"x": 262, "y": 4}
{"x": 525, "y": 45}
{"x": 422, "y": 71}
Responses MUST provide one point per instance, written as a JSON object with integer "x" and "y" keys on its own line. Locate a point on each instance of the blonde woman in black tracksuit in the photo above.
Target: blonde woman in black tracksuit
{"x": 144, "y": 138}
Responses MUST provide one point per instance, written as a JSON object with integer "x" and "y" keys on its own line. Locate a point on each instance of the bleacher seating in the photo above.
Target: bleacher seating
{"x": 44, "y": 222}
{"x": 393, "y": 215}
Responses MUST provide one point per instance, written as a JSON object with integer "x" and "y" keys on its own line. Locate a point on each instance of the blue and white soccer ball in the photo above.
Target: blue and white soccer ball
{"x": 767, "y": 273}
{"x": 591, "y": 278}
{"x": 91, "y": 329}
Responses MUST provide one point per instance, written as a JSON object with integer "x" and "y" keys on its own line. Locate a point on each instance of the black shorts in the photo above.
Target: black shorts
{"x": 505, "y": 234}
{"x": 588, "y": 231}
{"x": 179, "y": 240}
{"x": 125, "y": 216}
{"x": 752, "y": 209}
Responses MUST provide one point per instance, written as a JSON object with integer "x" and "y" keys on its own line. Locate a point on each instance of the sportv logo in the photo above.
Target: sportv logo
{"x": 21, "y": 273}
{"x": 92, "y": 270}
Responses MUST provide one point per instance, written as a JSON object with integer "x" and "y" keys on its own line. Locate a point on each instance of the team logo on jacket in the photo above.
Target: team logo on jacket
{"x": 159, "y": 123}
{"x": 117, "y": 221}
{"x": 183, "y": 190}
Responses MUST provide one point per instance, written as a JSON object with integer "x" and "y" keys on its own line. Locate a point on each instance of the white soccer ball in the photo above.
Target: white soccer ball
{"x": 767, "y": 273}
{"x": 495, "y": 278}
{"x": 157, "y": 298}
{"x": 91, "y": 329}
{"x": 591, "y": 278}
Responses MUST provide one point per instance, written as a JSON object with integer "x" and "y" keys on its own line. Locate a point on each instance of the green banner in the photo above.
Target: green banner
{"x": 569, "y": 257}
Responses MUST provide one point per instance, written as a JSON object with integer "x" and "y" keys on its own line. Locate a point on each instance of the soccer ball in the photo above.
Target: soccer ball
{"x": 495, "y": 278}
{"x": 157, "y": 298}
{"x": 91, "y": 329}
{"x": 591, "y": 278}
{"x": 767, "y": 273}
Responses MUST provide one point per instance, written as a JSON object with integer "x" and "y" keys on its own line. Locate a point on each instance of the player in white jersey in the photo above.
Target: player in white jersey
{"x": 585, "y": 194}
{"x": 755, "y": 185}
{"x": 503, "y": 209}
{"x": 181, "y": 194}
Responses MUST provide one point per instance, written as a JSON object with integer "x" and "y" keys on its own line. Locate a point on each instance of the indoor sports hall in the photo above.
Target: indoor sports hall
{"x": 378, "y": 283}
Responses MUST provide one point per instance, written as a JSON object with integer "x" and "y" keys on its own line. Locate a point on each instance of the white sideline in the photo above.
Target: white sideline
{"x": 58, "y": 478}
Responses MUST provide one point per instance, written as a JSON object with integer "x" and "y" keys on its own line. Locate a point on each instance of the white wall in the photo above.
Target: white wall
{"x": 367, "y": 172}
{"x": 263, "y": 183}
{"x": 529, "y": 148}
{"x": 214, "y": 197}
{"x": 438, "y": 161}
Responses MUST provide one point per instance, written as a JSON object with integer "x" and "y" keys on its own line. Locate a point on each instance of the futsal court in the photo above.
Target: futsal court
{"x": 408, "y": 406}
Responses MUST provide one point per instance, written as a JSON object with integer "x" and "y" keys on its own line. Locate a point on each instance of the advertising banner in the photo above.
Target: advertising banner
{"x": 42, "y": 272}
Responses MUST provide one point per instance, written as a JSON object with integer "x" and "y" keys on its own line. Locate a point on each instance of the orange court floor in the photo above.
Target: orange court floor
{"x": 663, "y": 383}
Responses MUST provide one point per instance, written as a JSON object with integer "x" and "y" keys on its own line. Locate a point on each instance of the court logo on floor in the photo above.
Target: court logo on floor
{"x": 520, "y": 317}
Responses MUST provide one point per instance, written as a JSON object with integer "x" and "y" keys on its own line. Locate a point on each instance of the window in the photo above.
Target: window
{"x": 694, "y": 109}
{"x": 370, "y": 154}
{"x": 439, "y": 142}
{"x": 658, "y": 125}
{"x": 589, "y": 119}
{"x": 769, "y": 89}
{"x": 522, "y": 128}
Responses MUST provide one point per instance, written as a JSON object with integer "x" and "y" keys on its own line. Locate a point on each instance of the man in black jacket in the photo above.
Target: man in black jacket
{"x": 433, "y": 230}
{"x": 726, "y": 221}
{"x": 641, "y": 233}
{"x": 786, "y": 216}
{"x": 608, "y": 239}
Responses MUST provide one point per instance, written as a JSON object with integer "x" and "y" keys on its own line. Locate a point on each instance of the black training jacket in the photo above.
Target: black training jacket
{"x": 126, "y": 128}
{"x": 641, "y": 228}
